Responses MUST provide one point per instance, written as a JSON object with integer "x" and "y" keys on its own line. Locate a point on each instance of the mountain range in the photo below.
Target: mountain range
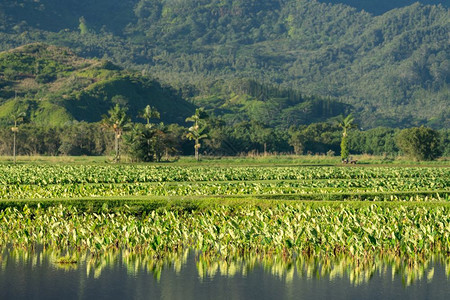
{"x": 386, "y": 62}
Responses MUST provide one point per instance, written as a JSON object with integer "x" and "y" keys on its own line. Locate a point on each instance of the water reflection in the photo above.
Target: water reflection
{"x": 356, "y": 271}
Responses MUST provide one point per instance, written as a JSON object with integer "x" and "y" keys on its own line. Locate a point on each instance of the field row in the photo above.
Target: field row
{"x": 301, "y": 188}
{"x": 410, "y": 231}
{"x": 68, "y": 174}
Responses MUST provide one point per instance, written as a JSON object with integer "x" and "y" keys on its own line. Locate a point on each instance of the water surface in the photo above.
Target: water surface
{"x": 25, "y": 275}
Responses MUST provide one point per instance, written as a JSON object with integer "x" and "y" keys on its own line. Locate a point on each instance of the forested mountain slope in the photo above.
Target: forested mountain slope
{"x": 54, "y": 86}
{"x": 381, "y": 6}
{"x": 393, "y": 69}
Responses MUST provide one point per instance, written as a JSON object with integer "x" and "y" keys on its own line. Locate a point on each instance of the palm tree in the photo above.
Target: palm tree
{"x": 346, "y": 124}
{"x": 118, "y": 121}
{"x": 17, "y": 117}
{"x": 196, "y": 131}
{"x": 148, "y": 113}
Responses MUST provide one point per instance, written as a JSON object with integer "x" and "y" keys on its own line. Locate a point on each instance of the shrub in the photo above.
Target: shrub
{"x": 419, "y": 143}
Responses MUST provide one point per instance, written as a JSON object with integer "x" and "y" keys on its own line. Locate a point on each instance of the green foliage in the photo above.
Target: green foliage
{"x": 196, "y": 131}
{"x": 150, "y": 182}
{"x": 118, "y": 121}
{"x": 55, "y": 87}
{"x": 54, "y": 15}
{"x": 81, "y": 138}
{"x": 382, "y": 6}
{"x": 445, "y": 142}
{"x": 83, "y": 26}
{"x": 137, "y": 208}
{"x": 346, "y": 124}
{"x": 149, "y": 113}
{"x": 48, "y": 174}
{"x": 18, "y": 117}
{"x": 72, "y": 138}
{"x": 315, "y": 138}
{"x": 360, "y": 231}
{"x": 344, "y": 148}
{"x": 149, "y": 143}
{"x": 391, "y": 68}
{"x": 419, "y": 143}
{"x": 248, "y": 100}
{"x": 377, "y": 141}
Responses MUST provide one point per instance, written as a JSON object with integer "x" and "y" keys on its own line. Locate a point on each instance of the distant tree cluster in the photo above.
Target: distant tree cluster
{"x": 210, "y": 135}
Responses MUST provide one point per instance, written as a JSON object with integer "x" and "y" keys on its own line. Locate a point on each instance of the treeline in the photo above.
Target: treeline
{"x": 81, "y": 138}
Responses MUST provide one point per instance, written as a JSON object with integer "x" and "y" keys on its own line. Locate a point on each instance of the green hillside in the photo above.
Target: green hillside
{"x": 55, "y": 86}
{"x": 392, "y": 69}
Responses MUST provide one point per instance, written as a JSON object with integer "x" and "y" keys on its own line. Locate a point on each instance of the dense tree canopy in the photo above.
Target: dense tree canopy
{"x": 420, "y": 143}
{"x": 391, "y": 68}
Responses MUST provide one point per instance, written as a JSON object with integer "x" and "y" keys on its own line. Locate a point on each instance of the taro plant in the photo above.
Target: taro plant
{"x": 412, "y": 232}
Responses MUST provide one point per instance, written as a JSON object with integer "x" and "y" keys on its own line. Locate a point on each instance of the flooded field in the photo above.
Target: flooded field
{"x": 47, "y": 275}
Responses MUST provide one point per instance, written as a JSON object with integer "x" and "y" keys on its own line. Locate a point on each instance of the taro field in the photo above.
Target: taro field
{"x": 70, "y": 182}
{"x": 228, "y": 211}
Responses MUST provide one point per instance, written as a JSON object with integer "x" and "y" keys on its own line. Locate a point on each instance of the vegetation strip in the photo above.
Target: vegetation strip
{"x": 65, "y": 174}
{"x": 289, "y": 229}
{"x": 292, "y": 183}
{"x": 107, "y": 190}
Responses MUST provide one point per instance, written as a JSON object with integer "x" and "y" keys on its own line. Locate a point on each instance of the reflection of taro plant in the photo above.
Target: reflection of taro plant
{"x": 358, "y": 271}
{"x": 17, "y": 117}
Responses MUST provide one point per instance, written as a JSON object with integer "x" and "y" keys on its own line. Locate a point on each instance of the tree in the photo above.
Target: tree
{"x": 261, "y": 135}
{"x": 163, "y": 143}
{"x": 17, "y": 117}
{"x": 150, "y": 143}
{"x": 419, "y": 143}
{"x": 83, "y": 26}
{"x": 297, "y": 139}
{"x": 148, "y": 113}
{"x": 196, "y": 131}
{"x": 118, "y": 121}
{"x": 139, "y": 143}
{"x": 346, "y": 124}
